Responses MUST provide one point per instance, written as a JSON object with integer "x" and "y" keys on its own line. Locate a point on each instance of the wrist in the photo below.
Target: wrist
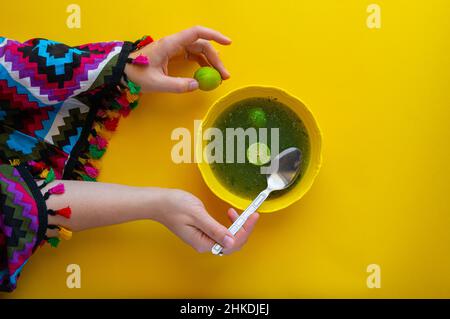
{"x": 157, "y": 200}
{"x": 135, "y": 73}
{"x": 137, "y": 61}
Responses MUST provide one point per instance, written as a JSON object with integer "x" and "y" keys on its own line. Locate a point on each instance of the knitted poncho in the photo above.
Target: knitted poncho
{"x": 58, "y": 105}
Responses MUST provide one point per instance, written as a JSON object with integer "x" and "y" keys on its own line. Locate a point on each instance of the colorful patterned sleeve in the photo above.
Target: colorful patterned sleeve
{"x": 58, "y": 106}
{"x": 22, "y": 222}
{"x": 53, "y": 72}
{"x": 58, "y": 103}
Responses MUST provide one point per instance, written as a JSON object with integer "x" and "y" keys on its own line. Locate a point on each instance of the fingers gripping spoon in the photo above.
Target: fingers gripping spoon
{"x": 284, "y": 168}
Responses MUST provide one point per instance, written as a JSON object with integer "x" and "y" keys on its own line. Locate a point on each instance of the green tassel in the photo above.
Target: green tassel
{"x": 134, "y": 105}
{"x": 87, "y": 178}
{"x": 95, "y": 152}
{"x": 53, "y": 241}
{"x": 115, "y": 105}
{"x": 134, "y": 88}
{"x": 50, "y": 176}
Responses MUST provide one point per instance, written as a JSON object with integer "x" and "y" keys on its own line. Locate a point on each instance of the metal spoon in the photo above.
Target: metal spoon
{"x": 284, "y": 169}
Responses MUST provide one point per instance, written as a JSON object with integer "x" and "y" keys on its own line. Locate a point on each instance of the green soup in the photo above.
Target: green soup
{"x": 245, "y": 179}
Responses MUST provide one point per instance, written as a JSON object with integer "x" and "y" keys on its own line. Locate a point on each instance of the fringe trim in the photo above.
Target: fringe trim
{"x": 125, "y": 98}
{"x": 106, "y": 120}
{"x": 39, "y": 170}
{"x": 140, "y": 60}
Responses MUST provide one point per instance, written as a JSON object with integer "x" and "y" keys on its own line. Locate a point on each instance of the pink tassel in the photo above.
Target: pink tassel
{"x": 141, "y": 60}
{"x": 37, "y": 165}
{"x": 101, "y": 142}
{"x": 125, "y": 111}
{"x": 111, "y": 124}
{"x": 122, "y": 100}
{"x": 91, "y": 171}
{"x": 101, "y": 113}
{"x": 58, "y": 189}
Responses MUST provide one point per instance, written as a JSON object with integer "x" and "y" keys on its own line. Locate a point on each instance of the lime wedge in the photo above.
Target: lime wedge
{"x": 258, "y": 154}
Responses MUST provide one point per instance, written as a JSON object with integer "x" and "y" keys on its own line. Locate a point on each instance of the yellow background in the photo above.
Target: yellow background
{"x": 381, "y": 98}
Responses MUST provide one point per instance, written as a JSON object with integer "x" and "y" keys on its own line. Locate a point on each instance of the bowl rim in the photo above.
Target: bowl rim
{"x": 280, "y": 205}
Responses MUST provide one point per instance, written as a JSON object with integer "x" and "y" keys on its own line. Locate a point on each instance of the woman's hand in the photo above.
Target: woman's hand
{"x": 186, "y": 216}
{"x": 193, "y": 43}
{"x": 101, "y": 204}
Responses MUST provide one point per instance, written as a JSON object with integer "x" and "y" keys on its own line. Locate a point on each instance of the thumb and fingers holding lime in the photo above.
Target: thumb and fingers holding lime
{"x": 195, "y": 43}
{"x": 209, "y": 76}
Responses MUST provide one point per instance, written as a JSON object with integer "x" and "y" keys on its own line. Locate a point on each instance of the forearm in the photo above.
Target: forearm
{"x": 100, "y": 204}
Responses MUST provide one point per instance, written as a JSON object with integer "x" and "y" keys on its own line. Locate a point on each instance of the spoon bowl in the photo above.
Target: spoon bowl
{"x": 284, "y": 169}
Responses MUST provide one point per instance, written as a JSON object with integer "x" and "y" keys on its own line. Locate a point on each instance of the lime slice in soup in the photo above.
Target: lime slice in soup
{"x": 258, "y": 154}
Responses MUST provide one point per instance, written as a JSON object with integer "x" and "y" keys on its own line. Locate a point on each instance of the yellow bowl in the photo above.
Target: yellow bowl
{"x": 303, "y": 113}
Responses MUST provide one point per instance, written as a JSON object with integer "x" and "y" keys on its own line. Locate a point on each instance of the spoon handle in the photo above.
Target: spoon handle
{"x": 234, "y": 228}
